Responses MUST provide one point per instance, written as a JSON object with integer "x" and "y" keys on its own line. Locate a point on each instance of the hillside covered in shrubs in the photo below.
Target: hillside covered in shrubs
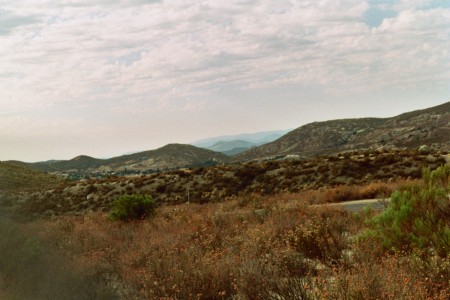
{"x": 410, "y": 130}
{"x": 250, "y": 247}
{"x": 336, "y": 176}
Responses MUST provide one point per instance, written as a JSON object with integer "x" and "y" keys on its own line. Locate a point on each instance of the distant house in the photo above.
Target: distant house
{"x": 292, "y": 157}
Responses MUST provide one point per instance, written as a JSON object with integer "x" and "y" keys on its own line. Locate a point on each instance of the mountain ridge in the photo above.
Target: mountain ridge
{"x": 254, "y": 138}
{"x": 430, "y": 126}
{"x": 407, "y": 130}
{"x": 231, "y": 148}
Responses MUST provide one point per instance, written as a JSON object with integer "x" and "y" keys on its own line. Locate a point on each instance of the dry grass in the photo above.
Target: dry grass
{"x": 253, "y": 247}
{"x": 237, "y": 247}
{"x": 189, "y": 251}
{"x": 374, "y": 275}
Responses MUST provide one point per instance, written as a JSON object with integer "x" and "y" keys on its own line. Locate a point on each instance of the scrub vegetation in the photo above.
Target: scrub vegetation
{"x": 258, "y": 247}
{"x": 334, "y": 178}
{"x": 109, "y": 239}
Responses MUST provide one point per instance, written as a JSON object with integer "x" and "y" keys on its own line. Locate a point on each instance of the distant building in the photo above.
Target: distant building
{"x": 292, "y": 157}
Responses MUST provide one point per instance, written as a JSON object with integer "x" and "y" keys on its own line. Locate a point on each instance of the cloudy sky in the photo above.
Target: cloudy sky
{"x": 107, "y": 77}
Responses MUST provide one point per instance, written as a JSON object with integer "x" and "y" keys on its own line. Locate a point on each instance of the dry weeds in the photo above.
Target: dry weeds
{"x": 254, "y": 247}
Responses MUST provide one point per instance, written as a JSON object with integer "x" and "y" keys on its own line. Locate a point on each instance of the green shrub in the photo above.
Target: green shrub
{"x": 418, "y": 218}
{"x": 132, "y": 207}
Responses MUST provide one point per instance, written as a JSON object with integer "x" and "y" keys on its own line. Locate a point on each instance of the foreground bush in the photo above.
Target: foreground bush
{"x": 418, "y": 218}
{"x": 132, "y": 207}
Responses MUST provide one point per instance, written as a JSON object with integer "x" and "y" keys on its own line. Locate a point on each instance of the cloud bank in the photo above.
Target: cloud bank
{"x": 83, "y": 68}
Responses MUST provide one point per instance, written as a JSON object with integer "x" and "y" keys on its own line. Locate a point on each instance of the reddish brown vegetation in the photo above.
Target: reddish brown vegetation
{"x": 249, "y": 248}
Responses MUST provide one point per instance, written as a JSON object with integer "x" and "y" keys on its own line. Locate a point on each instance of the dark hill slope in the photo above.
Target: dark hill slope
{"x": 81, "y": 162}
{"x": 18, "y": 177}
{"x": 167, "y": 157}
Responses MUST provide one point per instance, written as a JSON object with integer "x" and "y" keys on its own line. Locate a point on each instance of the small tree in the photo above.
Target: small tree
{"x": 132, "y": 207}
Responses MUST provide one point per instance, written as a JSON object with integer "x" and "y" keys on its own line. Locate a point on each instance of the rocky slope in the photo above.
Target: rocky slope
{"x": 410, "y": 130}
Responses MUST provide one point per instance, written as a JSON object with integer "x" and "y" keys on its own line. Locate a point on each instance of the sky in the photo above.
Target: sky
{"x": 108, "y": 77}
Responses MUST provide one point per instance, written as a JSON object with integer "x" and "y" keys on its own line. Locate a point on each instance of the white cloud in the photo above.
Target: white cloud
{"x": 139, "y": 56}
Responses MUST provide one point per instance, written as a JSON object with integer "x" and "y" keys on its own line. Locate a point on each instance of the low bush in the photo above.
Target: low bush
{"x": 132, "y": 207}
{"x": 321, "y": 235}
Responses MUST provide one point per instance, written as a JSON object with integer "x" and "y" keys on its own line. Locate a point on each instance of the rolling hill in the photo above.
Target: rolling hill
{"x": 409, "y": 130}
{"x": 167, "y": 157}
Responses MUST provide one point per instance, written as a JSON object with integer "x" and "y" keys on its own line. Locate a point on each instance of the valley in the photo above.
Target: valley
{"x": 278, "y": 220}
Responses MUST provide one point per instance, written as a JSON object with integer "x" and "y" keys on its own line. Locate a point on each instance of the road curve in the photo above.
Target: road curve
{"x": 358, "y": 205}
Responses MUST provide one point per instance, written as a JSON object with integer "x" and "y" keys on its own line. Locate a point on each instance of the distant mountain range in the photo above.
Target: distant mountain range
{"x": 231, "y": 148}
{"x": 234, "y": 144}
{"x": 409, "y": 130}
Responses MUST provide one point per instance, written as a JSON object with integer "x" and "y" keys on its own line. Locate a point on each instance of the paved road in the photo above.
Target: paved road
{"x": 358, "y": 205}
